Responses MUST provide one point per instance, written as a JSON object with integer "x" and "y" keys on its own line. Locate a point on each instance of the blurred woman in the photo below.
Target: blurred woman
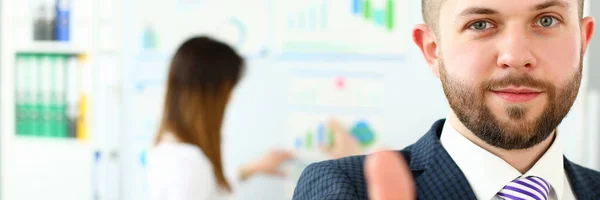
{"x": 186, "y": 162}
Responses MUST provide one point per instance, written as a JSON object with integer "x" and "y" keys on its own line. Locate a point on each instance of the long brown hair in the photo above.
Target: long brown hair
{"x": 202, "y": 75}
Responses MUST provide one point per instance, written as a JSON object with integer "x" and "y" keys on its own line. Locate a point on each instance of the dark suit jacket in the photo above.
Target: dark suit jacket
{"x": 435, "y": 173}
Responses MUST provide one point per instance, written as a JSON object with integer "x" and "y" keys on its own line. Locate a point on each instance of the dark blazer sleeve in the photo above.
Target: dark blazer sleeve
{"x": 324, "y": 180}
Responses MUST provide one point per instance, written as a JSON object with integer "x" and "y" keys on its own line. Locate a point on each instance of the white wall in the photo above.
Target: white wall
{"x": 255, "y": 121}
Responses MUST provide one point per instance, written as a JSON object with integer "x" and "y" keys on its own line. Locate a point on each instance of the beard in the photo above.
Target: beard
{"x": 468, "y": 103}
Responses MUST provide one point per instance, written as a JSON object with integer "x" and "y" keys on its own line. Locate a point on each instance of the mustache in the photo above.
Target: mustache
{"x": 517, "y": 79}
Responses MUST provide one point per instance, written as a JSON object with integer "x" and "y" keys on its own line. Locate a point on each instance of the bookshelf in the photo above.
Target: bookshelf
{"x": 52, "y": 157}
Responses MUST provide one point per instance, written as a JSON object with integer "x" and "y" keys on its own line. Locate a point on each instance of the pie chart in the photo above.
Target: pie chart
{"x": 363, "y": 133}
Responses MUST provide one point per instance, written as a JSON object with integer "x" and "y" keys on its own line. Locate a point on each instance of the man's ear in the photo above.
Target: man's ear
{"x": 425, "y": 40}
{"x": 587, "y": 31}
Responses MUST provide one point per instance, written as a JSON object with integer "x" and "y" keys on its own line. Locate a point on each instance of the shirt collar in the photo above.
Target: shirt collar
{"x": 550, "y": 167}
{"x": 487, "y": 174}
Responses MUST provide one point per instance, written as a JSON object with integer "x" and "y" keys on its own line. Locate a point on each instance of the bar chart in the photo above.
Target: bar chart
{"x": 350, "y": 27}
{"x": 241, "y": 26}
{"x": 321, "y": 135}
{"x": 312, "y": 18}
{"x": 314, "y": 137}
{"x": 309, "y": 131}
{"x": 383, "y": 16}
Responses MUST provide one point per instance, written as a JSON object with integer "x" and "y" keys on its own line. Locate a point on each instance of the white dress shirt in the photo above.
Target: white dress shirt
{"x": 178, "y": 171}
{"x": 488, "y": 174}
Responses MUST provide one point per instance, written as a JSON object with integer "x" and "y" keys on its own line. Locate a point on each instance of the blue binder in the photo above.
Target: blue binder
{"x": 63, "y": 20}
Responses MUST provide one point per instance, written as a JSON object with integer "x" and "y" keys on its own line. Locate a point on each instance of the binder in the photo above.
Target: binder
{"x": 72, "y": 95}
{"x": 44, "y": 103}
{"x": 49, "y": 96}
{"x": 62, "y": 20}
{"x": 60, "y": 101}
{"x": 35, "y": 108}
{"x": 29, "y": 112}
{"x": 84, "y": 100}
{"x": 20, "y": 90}
{"x": 42, "y": 97}
{"x": 51, "y": 93}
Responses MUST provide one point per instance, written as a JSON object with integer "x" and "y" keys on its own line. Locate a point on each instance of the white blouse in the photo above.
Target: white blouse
{"x": 179, "y": 171}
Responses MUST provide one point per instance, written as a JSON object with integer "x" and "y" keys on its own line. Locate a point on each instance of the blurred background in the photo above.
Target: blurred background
{"x": 82, "y": 85}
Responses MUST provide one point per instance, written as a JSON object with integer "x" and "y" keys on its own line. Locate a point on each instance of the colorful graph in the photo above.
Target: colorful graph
{"x": 242, "y": 26}
{"x": 312, "y": 18}
{"x": 149, "y": 38}
{"x": 381, "y": 16}
{"x": 231, "y": 30}
{"x": 315, "y": 16}
{"x": 363, "y": 133}
{"x": 356, "y": 27}
{"x": 320, "y": 135}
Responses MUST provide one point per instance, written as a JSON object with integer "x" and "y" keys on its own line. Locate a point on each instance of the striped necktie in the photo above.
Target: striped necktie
{"x": 526, "y": 188}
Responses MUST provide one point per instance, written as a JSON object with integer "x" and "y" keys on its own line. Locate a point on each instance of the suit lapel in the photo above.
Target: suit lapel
{"x": 582, "y": 181}
{"x": 436, "y": 175}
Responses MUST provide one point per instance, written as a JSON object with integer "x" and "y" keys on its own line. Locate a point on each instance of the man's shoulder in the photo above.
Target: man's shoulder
{"x": 339, "y": 178}
{"x": 352, "y": 166}
{"x": 331, "y": 179}
{"x": 584, "y": 181}
{"x": 587, "y": 172}
{"x": 355, "y": 164}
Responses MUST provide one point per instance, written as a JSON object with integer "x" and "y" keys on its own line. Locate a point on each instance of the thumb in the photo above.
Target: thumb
{"x": 388, "y": 177}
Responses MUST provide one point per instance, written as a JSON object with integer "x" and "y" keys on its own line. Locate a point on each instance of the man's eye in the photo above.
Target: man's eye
{"x": 481, "y": 25}
{"x": 547, "y": 21}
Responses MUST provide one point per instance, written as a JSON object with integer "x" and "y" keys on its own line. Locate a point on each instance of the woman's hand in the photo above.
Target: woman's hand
{"x": 269, "y": 164}
{"x": 344, "y": 144}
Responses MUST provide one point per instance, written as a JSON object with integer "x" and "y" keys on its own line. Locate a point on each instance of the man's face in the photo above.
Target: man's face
{"x": 511, "y": 69}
